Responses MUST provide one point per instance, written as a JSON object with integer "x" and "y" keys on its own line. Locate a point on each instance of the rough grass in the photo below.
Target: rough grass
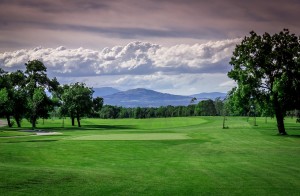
{"x": 208, "y": 160}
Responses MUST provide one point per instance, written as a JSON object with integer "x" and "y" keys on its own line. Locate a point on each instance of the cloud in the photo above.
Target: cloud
{"x": 230, "y": 83}
{"x": 135, "y": 58}
{"x": 178, "y": 69}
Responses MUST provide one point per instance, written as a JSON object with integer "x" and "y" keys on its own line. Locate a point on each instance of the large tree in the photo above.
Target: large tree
{"x": 37, "y": 82}
{"x": 13, "y": 96}
{"x": 5, "y": 103}
{"x": 18, "y": 95}
{"x": 78, "y": 101}
{"x": 267, "y": 69}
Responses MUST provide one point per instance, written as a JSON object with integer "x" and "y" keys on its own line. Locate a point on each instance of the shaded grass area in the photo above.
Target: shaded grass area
{"x": 241, "y": 160}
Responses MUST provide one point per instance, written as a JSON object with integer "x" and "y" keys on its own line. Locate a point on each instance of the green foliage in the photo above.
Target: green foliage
{"x": 37, "y": 82}
{"x": 206, "y": 108}
{"x": 78, "y": 101}
{"x": 7, "y": 96}
{"x": 219, "y": 106}
{"x": 266, "y": 69}
{"x": 3, "y": 97}
{"x": 38, "y": 96}
{"x": 112, "y": 112}
{"x": 209, "y": 108}
{"x": 139, "y": 113}
{"x": 97, "y": 105}
{"x": 16, "y": 104}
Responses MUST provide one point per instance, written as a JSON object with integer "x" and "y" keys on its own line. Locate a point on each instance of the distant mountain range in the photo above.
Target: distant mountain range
{"x": 141, "y": 97}
{"x": 100, "y": 92}
{"x": 145, "y": 98}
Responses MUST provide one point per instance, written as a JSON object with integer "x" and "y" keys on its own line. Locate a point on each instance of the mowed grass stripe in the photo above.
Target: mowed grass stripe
{"x": 148, "y": 124}
{"x": 135, "y": 136}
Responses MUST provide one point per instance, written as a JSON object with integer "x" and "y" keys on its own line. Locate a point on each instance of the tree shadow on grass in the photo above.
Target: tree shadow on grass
{"x": 293, "y": 130}
{"x": 41, "y": 141}
{"x": 91, "y": 127}
{"x": 109, "y": 126}
{"x": 294, "y": 136}
{"x": 21, "y": 141}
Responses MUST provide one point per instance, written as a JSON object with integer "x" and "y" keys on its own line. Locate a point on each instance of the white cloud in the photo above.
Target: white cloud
{"x": 180, "y": 69}
{"x": 230, "y": 84}
{"x": 136, "y": 58}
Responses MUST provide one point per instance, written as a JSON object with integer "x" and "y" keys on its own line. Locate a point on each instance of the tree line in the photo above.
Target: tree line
{"x": 203, "y": 108}
{"x": 217, "y": 107}
{"x": 24, "y": 95}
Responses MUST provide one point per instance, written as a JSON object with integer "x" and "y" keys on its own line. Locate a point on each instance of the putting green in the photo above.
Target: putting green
{"x": 135, "y": 136}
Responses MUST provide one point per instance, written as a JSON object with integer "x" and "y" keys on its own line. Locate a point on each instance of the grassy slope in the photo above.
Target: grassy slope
{"x": 243, "y": 159}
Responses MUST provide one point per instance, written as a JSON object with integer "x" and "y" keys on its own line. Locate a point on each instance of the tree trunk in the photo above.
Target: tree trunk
{"x": 280, "y": 123}
{"x": 224, "y": 118}
{"x": 279, "y": 117}
{"x": 266, "y": 119}
{"x": 63, "y": 122}
{"x": 8, "y": 120}
{"x": 73, "y": 119}
{"x": 78, "y": 120}
{"x": 18, "y": 120}
{"x": 33, "y": 122}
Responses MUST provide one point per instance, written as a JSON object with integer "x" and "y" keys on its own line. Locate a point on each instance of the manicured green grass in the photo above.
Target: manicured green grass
{"x": 135, "y": 136}
{"x": 167, "y": 156}
{"x": 13, "y": 133}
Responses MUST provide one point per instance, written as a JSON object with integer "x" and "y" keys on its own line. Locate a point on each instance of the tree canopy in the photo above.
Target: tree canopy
{"x": 206, "y": 108}
{"x": 78, "y": 101}
{"x": 37, "y": 82}
{"x": 267, "y": 70}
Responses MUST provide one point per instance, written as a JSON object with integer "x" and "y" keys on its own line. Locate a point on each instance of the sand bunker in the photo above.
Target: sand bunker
{"x": 42, "y": 132}
{"x": 2, "y": 123}
{"x": 47, "y": 133}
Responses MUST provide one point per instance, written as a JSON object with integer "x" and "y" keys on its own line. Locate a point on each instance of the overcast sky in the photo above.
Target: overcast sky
{"x": 174, "y": 46}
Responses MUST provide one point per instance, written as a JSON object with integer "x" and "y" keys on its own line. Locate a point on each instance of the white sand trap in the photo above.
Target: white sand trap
{"x": 48, "y": 133}
{"x": 135, "y": 136}
{"x": 2, "y": 123}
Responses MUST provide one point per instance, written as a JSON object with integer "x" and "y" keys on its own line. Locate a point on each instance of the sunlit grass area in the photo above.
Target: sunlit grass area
{"x": 165, "y": 156}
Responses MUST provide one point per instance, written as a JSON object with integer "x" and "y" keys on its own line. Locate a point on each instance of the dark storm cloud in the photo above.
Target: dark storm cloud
{"x": 58, "y": 6}
{"x": 121, "y": 32}
{"x": 144, "y": 19}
